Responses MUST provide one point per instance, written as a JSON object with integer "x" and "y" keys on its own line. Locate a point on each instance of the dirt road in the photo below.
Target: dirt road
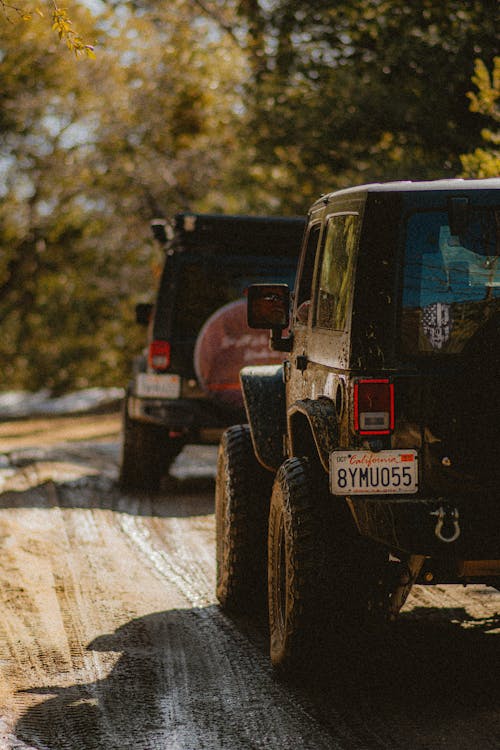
{"x": 110, "y": 637}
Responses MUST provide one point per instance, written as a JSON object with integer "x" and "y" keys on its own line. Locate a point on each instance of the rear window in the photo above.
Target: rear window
{"x": 204, "y": 284}
{"x": 451, "y": 284}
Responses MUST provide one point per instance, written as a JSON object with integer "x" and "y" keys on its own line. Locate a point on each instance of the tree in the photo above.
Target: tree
{"x": 61, "y": 24}
{"x": 90, "y": 153}
{"x": 364, "y": 90}
{"x": 239, "y": 106}
{"x": 485, "y": 161}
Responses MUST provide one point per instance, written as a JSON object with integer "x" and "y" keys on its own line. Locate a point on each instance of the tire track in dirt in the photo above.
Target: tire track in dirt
{"x": 259, "y": 711}
{"x": 59, "y": 607}
{"x": 112, "y": 633}
{"x": 192, "y": 679}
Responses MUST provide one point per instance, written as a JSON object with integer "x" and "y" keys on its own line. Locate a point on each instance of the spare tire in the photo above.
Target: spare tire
{"x": 224, "y": 345}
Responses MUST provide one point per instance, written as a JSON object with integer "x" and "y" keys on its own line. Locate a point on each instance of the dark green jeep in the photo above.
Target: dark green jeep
{"x": 370, "y": 460}
{"x": 184, "y": 386}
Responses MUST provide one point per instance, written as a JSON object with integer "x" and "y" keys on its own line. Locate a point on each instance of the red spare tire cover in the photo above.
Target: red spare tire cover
{"x": 224, "y": 345}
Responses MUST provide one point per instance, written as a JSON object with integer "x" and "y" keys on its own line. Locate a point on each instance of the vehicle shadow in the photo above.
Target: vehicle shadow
{"x": 172, "y": 686}
{"x": 184, "y": 680}
{"x": 141, "y": 703}
{"x": 424, "y": 685}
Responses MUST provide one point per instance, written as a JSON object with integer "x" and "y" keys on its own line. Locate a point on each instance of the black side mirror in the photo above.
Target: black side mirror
{"x": 268, "y": 306}
{"x": 159, "y": 230}
{"x": 143, "y": 312}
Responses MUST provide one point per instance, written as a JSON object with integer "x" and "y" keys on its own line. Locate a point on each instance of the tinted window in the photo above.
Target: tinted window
{"x": 205, "y": 284}
{"x": 304, "y": 288}
{"x": 451, "y": 282}
{"x": 337, "y": 272}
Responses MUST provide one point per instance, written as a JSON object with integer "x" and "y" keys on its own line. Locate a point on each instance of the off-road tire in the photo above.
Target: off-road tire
{"x": 146, "y": 454}
{"x": 295, "y": 554}
{"x": 327, "y": 586}
{"x": 242, "y": 492}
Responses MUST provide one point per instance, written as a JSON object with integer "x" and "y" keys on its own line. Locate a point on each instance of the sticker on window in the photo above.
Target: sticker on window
{"x": 436, "y": 322}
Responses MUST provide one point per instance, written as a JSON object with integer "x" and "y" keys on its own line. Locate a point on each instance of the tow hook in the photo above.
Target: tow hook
{"x": 447, "y": 521}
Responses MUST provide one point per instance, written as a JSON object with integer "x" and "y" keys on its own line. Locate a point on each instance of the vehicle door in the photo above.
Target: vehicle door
{"x": 329, "y": 339}
{"x": 296, "y": 365}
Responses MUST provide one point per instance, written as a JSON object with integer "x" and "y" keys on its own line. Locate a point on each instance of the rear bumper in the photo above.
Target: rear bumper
{"x": 194, "y": 418}
{"x": 463, "y": 527}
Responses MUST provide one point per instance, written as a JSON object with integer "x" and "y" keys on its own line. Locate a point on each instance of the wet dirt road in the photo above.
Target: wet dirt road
{"x": 110, "y": 637}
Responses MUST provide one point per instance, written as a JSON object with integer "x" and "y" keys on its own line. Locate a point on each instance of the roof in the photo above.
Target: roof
{"x": 408, "y": 186}
{"x": 233, "y": 233}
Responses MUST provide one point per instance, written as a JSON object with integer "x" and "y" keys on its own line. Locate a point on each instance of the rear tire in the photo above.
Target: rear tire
{"x": 327, "y": 586}
{"x": 294, "y": 562}
{"x": 147, "y": 452}
{"x": 242, "y": 492}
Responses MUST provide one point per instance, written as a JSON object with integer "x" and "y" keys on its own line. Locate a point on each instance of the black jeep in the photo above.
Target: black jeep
{"x": 370, "y": 460}
{"x": 185, "y": 385}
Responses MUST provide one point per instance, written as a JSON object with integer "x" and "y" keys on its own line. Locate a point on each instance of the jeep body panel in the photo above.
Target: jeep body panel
{"x": 263, "y": 390}
{"x": 314, "y": 419}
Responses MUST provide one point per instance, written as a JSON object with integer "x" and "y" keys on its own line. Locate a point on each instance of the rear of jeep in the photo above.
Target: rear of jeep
{"x": 388, "y": 468}
{"x": 424, "y": 480}
{"x": 185, "y": 385}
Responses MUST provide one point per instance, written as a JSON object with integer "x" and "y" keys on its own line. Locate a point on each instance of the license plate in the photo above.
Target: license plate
{"x": 158, "y": 386}
{"x": 391, "y": 472}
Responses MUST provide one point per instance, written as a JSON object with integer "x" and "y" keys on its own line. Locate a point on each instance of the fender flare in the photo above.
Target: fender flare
{"x": 263, "y": 391}
{"x": 321, "y": 417}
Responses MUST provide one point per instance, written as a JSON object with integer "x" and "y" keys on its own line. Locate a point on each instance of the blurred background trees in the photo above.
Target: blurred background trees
{"x": 485, "y": 99}
{"x": 251, "y": 106}
{"x": 364, "y": 90}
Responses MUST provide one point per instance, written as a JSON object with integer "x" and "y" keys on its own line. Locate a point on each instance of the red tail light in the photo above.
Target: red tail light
{"x": 374, "y": 406}
{"x": 159, "y": 355}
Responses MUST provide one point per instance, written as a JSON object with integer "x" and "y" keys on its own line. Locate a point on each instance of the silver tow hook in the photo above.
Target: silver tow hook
{"x": 447, "y": 518}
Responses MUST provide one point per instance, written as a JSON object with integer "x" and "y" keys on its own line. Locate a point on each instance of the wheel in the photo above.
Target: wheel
{"x": 242, "y": 492}
{"x": 294, "y": 564}
{"x": 146, "y": 454}
{"x": 326, "y": 584}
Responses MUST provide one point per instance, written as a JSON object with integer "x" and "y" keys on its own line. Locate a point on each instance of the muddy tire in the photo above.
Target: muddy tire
{"x": 294, "y": 562}
{"x": 242, "y": 493}
{"x": 327, "y": 587}
{"x": 146, "y": 454}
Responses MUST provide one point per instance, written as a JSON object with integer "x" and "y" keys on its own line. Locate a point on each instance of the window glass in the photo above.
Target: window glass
{"x": 451, "y": 283}
{"x": 306, "y": 272}
{"x": 337, "y": 271}
{"x": 205, "y": 284}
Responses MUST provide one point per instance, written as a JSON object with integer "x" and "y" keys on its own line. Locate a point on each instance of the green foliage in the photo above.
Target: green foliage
{"x": 350, "y": 92}
{"x": 89, "y": 155}
{"x": 485, "y": 162}
{"x": 238, "y": 106}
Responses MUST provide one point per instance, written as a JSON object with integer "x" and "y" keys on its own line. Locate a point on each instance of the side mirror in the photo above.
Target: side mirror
{"x": 143, "y": 312}
{"x": 268, "y": 306}
{"x": 159, "y": 230}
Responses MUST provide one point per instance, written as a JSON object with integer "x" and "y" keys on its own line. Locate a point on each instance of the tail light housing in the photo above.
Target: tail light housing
{"x": 159, "y": 355}
{"x": 374, "y": 406}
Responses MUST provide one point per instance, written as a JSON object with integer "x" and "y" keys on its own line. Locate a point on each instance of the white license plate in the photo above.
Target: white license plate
{"x": 391, "y": 472}
{"x": 158, "y": 386}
